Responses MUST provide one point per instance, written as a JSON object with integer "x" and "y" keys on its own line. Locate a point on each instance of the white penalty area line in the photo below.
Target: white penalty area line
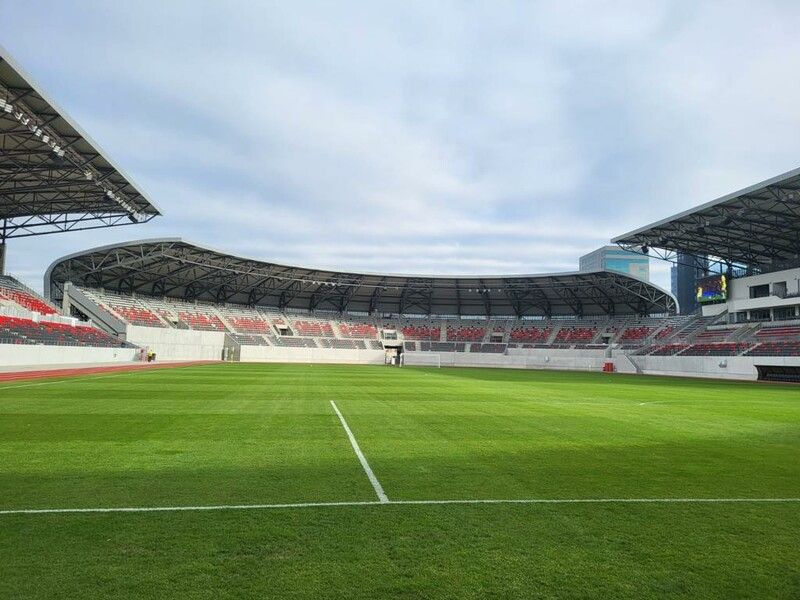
{"x": 387, "y": 502}
{"x": 376, "y": 485}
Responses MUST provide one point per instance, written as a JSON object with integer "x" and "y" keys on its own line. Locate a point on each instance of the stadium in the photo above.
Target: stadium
{"x": 180, "y": 418}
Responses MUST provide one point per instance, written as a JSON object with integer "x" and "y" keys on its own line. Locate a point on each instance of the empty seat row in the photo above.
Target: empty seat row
{"x": 25, "y": 331}
{"x": 530, "y": 334}
{"x": 466, "y": 334}
{"x": 358, "y": 330}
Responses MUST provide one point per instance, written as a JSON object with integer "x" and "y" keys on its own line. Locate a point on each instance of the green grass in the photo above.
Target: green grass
{"x": 264, "y": 434}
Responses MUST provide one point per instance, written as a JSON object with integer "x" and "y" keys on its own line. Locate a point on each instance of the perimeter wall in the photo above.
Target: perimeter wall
{"x": 735, "y": 367}
{"x": 720, "y": 367}
{"x": 29, "y": 355}
{"x": 174, "y": 344}
{"x": 178, "y": 344}
{"x": 310, "y": 355}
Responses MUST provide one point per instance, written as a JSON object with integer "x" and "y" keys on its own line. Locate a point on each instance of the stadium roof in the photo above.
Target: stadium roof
{"x": 53, "y": 177}
{"x": 757, "y": 227}
{"x": 177, "y": 268}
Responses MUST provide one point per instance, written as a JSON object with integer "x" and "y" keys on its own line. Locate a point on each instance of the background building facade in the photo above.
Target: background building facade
{"x": 614, "y": 258}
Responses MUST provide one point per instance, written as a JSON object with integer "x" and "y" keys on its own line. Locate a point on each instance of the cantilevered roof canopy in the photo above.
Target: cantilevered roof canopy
{"x": 757, "y": 227}
{"x": 53, "y": 177}
{"x": 176, "y": 268}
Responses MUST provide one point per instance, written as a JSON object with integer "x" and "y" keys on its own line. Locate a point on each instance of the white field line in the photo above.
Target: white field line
{"x": 90, "y": 376}
{"x": 557, "y": 501}
{"x": 376, "y": 485}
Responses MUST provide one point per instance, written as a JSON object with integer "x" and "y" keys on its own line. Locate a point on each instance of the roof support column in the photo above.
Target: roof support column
{"x": 3, "y": 238}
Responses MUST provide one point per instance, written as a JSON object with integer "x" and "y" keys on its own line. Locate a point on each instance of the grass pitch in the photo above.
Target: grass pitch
{"x": 222, "y": 435}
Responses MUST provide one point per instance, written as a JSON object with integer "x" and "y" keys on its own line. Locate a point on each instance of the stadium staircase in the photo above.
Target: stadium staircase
{"x": 101, "y": 315}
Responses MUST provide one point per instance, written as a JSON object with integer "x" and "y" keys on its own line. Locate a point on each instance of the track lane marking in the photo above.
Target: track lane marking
{"x": 376, "y": 485}
{"x": 300, "y": 505}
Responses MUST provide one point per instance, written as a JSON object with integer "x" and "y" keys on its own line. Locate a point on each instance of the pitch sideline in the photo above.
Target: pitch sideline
{"x": 300, "y": 505}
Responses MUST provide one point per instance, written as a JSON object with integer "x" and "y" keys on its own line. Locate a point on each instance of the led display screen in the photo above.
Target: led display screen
{"x": 712, "y": 289}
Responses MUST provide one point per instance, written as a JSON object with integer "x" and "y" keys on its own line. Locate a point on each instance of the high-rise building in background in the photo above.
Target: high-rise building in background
{"x": 614, "y": 258}
{"x": 673, "y": 280}
{"x": 684, "y": 281}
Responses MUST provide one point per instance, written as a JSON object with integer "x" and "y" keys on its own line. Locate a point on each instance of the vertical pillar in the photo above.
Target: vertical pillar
{"x": 2, "y": 256}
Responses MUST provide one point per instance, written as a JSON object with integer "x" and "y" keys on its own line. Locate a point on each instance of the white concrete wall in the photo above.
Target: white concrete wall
{"x": 740, "y": 288}
{"x": 178, "y": 344}
{"x": 24, "y": 355}
{"x": 310, "y": 355}
{"x": 517, "y": 358}
{"x": 739, "y": 299}
{"x": 736, "y": 367}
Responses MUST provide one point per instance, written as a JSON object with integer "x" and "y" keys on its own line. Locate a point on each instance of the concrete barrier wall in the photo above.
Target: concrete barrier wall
{"x": 178, "y": 344}
{"x": 310, "y": 355}
{"x": 572, "y": 360}
{"x": 24, "y": 355}
{"x": 735, "y": 367}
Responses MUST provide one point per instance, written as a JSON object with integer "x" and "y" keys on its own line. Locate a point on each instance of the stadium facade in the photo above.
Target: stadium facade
{"x": 184, "y": 301}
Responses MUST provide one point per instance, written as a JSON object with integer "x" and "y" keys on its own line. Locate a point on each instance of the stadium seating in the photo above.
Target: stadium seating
{"x": 715, "y": 349}
{"x": 340, "y": 344}
{"x": 15, "y": 330}
{"x": 288, "y": 341}
{"x": 249, "y": 324}
{"x": 712, "y": 336}
{"x": 443, "y": 346}
{"x": 668, "y": 349}
{"x": 665, "y": 332}
{"x": 465, "y": 334}
{"x": 313, "y": 328}
{"x": 14, "y": 291}
{"x": 775, "y": 348}
{"x": 778, "y": 332}
{"x": 127, "y": 308}
{"x": 358, "y": 330}
{"x": 138, "y": 316}
{"x": 202, "y": 321}
{"x": 635, "y": 334}
{"x": 530, "y": 334}
{"x": 421, "y": 332}
{"x": 575, "y": 334}
{"x": 684, "y": 336}
{"x": 488, "y": 348}
{"x": 248, "y": 339}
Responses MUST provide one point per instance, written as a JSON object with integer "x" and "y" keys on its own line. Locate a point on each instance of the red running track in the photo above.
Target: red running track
{"x": 76, "y": 371}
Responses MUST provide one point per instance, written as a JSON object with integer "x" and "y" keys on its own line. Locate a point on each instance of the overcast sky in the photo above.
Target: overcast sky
{"x": 416, "y": 137}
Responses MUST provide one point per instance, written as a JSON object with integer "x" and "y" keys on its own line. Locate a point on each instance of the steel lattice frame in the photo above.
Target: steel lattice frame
{"x": 53, "y": 177}
{"x": 176, "y": 268}
{"x": 757, "y": 228}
